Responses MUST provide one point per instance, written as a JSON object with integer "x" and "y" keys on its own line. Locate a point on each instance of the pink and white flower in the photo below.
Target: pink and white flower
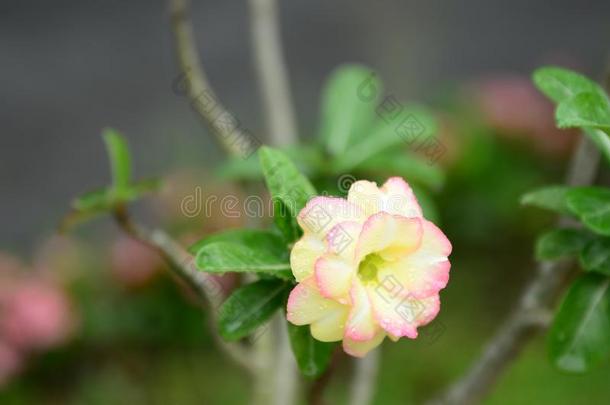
{"x": 367, "y": 267}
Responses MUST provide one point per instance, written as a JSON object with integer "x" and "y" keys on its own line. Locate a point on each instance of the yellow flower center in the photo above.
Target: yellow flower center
{"x": 369, "y": 267}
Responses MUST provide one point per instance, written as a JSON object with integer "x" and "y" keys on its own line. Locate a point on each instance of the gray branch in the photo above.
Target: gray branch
{"x": 532, "y": 310}
{"x": 204, "y": 101}
{"x": 272, "y": 72}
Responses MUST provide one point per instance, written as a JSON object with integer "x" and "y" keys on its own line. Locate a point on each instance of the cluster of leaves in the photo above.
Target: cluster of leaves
{"x": 122, "y": 190}
{"x": 356, "y": 135}
{"x": 580, "y": 335}
{"x": 265, "y": 253}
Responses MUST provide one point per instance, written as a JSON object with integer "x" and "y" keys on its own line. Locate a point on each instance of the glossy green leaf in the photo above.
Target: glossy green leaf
{"x": 222, "y": 257}
{"x": 584, "y": 110}
{"x": 253, "y": 238}
{"x": 595, "y": 256}
{"x": 561, "y": 243}
{"x": 289, "y": 189}
{"x": 579, "y": 337}
{"x": 592, "y": 205}
{"x": 389, "y": 135}
{"x": 284, "y": 180}
{"x": 349, "y": 100}
{"x": 313, "y": 356}
{"x": 251, "y": 306}
{"x": 551, "y": 198}
{"x": 120, "y": 161}
{"x": 560, "y": 84}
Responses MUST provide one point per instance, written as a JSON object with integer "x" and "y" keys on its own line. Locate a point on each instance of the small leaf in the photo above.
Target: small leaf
{"x": 385, "y": 136}
{"x": 584, "y": 110}
{"x": 595, "y": 256}
{"x": 348, "y": 106}
{"x": 222, "y": 257}
{"x": 560, "y": 243}
{"x": 253, "y": 238}
{"x": 96, "y": 200}
{"x": 313, "y": 356}
{"x": 551, "y": 198}
{"x": 579, "y": 338}
{"x": 120, "y": 161}
{"x": 250, "y": 306}
{"x": 592, "y": 205}
{"x": 562, "y": 84}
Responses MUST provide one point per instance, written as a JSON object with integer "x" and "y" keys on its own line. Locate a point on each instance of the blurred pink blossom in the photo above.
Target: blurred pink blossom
{"x": 35, "y": 315}
{"x": 512, "y": 105}
{"x": 133, "y": 263}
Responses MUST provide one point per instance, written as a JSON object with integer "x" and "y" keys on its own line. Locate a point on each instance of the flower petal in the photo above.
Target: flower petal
{"x": 331, "y": 327}
{"x": 307, "y": 305}
{"x": 304, "y": 255}
{"x": 359, "y": 348}
{"x": 400, "y": 316}
{"x": 389, "y": 236}
{"x": 321, "y": 214}
{"x": 361, "y": 324}
{"x": 342, "y": 239}
{"x": 333, "y": 276}
{"x": 394, "y": 197}
{"x": 425, "y": 271}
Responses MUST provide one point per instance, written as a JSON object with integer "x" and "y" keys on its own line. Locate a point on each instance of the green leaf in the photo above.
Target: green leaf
{"x": 560, "y": 84}
{"x": 407, "y": 165}
{"x": 250, "y": 306}
{"x": 348, "y": 106}
{"x": 560, "y": 243}
{"x": 96, "y": 200}
{"x": 551, "y": 198}
{"x": 579, "y": 338}
{"x": 595, "y": 256}
{"x": 384, "y": 136}
{"x": 285, "y": 222}
{"x": 592, "y": 205}
{"x": 120, "y": 161}
{"x": 287, "y": 186}
{"x": 284, "y": 180}
{"x": 222, "y": 257}
{"x": 253, "y": 238}
{"x": 600, "y": 139}
{"x": 584, "y": 110}
{"x": 313, "y": 356}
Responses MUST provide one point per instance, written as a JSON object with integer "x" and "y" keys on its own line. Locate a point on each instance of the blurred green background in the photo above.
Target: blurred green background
{"x": 96, "y": 318}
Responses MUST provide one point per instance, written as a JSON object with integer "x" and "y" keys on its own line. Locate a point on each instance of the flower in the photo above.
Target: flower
{"x": 367, "y": 267}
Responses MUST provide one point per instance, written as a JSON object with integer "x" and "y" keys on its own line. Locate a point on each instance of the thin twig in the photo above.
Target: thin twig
{"x": 280, "y": 122}
{"x": 365, "y": 379}
{"x": 315, "y": 395}
{"x": 533, "y": 305}
{"x": 204, "y": 101}
{"x": 182, "y": 265}
{"x": 272, "y": 72}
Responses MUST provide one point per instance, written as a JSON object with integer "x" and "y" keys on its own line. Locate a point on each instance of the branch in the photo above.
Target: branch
{"x": 365, "y": 379}
{"x": 532, "y": 309}
{"x": 280, "y": 122}
{"x": 223, "y": 124}
{"x": 272, "y": 73}
{"x": 182, "y": 265}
